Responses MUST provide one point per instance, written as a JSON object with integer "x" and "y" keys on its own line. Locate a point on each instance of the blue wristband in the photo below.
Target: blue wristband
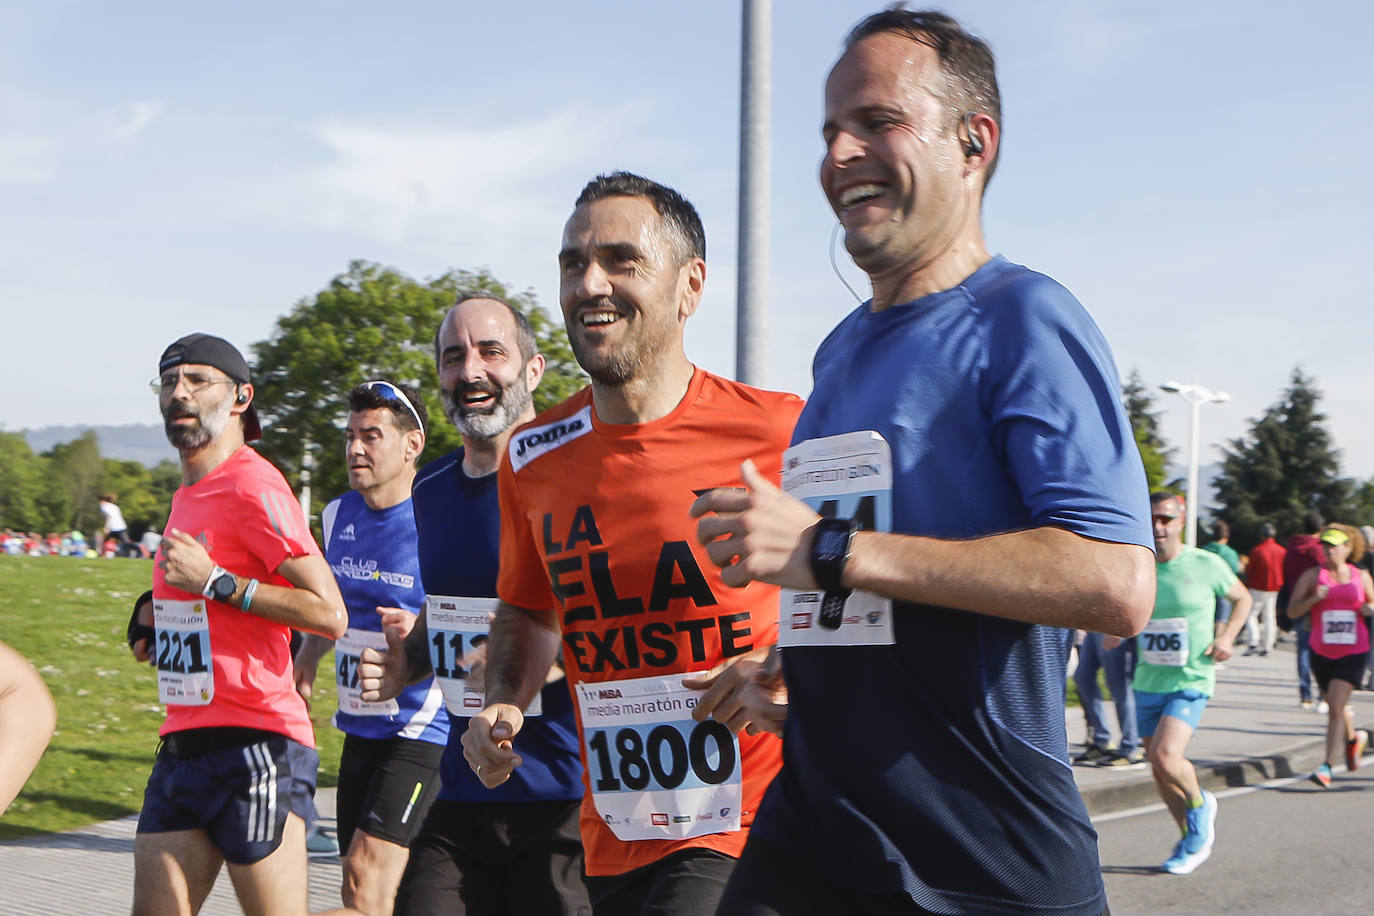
{"x": 249, "y": 591}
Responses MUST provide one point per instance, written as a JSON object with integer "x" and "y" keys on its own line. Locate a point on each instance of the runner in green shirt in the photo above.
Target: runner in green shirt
{"x": 1176, "y": 672}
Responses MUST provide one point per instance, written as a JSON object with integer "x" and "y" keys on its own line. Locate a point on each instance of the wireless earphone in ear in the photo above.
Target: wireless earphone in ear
{"x": 974, "y": 145}
{"x": 241, "y": 399}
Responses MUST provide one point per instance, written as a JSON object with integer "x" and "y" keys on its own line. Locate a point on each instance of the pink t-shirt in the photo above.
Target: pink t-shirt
{"x": 249, "y": 521}
{"x": 1338, "y": 625}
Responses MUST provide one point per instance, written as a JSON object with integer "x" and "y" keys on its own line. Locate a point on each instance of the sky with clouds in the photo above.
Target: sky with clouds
{"x": 1196, "y": 172}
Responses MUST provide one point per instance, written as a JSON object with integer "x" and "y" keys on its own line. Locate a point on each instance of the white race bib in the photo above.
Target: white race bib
{"x": 1339, "y": 627}
{"x": 458, "y": 631}
{"x": 655, "y": 773}
{"x": 347, "y": 649}
{"x": 185, "y": 674}
{"x": 845, "y": 476}
{"x": 1165, "y": 642}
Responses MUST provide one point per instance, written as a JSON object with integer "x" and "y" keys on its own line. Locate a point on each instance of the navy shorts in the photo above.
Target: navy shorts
{"x": 235, "y": 784}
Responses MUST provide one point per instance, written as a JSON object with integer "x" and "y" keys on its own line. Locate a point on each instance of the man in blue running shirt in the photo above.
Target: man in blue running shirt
{"x": 970, "y": 492}
{"x": 388, "y": 770}
{"x": 514, "y": 849}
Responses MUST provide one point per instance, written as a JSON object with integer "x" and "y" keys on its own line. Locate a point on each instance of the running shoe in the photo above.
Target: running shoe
{"x": 1322, "y": 776}
{"x": 1308, "y": 704}
{"x": 319, "y": 844}
{"x": 1092, "y": 755}
{"x": 1322, "y": 708}
{"x": 1196, "y": 845}
{"x": 1354, "y": 748}
{"x": 1119, "y": 760}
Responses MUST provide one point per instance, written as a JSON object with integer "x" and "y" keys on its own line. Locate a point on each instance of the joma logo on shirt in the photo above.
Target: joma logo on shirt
{"x": 536, "y": 441}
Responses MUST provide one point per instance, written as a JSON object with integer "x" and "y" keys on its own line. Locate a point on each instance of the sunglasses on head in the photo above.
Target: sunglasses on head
{"x": 392, "y": 393}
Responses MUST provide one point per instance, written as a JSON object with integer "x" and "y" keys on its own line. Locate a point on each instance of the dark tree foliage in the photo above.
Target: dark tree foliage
{"x": 373, "y": 322}
{"x": 1140, "y": 408}
{"x": 1285, "y": 467}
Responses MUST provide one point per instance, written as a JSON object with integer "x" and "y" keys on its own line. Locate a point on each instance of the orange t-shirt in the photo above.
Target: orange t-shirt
{"x": 594, "y": 525}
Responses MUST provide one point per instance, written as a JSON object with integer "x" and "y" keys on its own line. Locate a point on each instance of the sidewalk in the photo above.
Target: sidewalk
{"x": 1253, "y": 730}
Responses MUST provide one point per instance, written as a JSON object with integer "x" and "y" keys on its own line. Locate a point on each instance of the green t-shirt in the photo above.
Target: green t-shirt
{"x": 1226, "y": 553}
{"x": 1170, "y": 649}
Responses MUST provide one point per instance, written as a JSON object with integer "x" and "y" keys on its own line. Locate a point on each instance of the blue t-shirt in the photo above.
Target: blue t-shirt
{"x": 372, "y": 554}
{"x": 949, "y": 776}
{"x": 459, "y": 520}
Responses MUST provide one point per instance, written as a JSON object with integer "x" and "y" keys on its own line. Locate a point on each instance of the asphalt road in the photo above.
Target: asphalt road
{"x": 1284, "y": 847}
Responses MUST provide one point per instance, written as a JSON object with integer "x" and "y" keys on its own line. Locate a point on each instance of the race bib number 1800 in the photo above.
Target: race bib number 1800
{"x": 656, "y": 774}
{"x": 458, "y": 630}
{"x": 844, "y": 476}
{"x": 185, "y": 674}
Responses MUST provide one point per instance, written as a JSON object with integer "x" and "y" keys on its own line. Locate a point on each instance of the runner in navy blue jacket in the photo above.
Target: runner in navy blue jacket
{"x": 514, "y": 849}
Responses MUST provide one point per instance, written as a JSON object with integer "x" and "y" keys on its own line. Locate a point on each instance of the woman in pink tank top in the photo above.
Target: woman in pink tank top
{"x": 1338, "y": 596}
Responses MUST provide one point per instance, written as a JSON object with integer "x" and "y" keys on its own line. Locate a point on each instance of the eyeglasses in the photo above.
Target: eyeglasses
{"x": 1163, "y": 519}
{"x": 195, "y": 382}
{"x": 392, "y": 393}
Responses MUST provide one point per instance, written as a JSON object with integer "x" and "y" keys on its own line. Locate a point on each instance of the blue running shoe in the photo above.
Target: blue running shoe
{"x": 1177, "y": 860}
{"x": 1196, "y": 845}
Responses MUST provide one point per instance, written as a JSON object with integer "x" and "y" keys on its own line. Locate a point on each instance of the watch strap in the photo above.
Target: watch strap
{"x": 827, "y": 565}
{"x": 208, "y": 590}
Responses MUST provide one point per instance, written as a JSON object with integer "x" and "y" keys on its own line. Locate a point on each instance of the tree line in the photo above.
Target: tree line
{"x": 374, "y": 321}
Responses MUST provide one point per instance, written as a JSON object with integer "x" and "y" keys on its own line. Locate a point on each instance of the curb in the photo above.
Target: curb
{"x": 1136, "y": 789}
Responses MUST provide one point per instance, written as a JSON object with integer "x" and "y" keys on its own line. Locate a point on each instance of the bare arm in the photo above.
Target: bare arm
{"x": 520, "y": 651}
{"x": 307, "y": 661}
{"x": 1306, "y": 593}
{"x": 313, "y": 605}
{"x": 1041, "y": 575}
{"x": 27, "y": 720}
{"x": 1221, "y": 647}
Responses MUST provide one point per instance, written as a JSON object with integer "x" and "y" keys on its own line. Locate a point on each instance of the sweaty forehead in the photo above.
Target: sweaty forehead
{"x": 476, "y": 319}
{"x": 611, "y": 221}
{"x": 1169, "y": 505}
{"x": 884, "y": 68}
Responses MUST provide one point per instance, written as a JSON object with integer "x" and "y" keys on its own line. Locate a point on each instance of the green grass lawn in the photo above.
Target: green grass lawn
{"x": 68, "y": 617}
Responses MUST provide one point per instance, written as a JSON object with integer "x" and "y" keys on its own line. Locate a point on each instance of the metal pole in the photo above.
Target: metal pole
{"x": 756, "y": 91}
{"x": 1190, "y": 534}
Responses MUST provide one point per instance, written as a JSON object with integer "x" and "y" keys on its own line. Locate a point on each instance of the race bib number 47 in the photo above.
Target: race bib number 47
{"x": 185, "y": 675}
{"x": 845, "y": 476}
{"x": 347, "y": 649}
{"x": 656, "y": 774}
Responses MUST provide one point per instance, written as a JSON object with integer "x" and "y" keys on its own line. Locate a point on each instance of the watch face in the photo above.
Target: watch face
{"x": 224, "y": 587}
{"x": 831, "y": 542}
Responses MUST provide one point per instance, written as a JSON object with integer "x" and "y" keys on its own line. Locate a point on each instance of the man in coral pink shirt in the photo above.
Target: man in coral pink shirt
{"x": 1264, "y": 578}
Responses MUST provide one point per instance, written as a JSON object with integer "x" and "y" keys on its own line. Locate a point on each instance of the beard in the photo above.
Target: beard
{"x": 644, "y": 343}
{"x": 508, "y": 405}
{"x": 197, "y": 436}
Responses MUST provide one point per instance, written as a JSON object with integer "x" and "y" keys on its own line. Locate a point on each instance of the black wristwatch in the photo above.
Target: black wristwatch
{"x": 829, "y": 553}
{"x": 223, "y": 586}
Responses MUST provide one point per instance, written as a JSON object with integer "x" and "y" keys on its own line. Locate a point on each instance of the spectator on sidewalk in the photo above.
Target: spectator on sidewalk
{"x": 1337, "y": 595}
{"x": 1118, "y": 664}
{"x": 1220, "y": 545}
{"x": 1304, "y": 552}
{"x": 1264, "y": 576}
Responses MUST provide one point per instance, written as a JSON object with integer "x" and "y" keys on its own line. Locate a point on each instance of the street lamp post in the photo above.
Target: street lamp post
{"x": 1196, "y": 396}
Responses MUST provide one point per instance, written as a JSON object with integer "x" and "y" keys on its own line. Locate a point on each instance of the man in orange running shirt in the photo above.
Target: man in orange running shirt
{"x": 598, "y": 554}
